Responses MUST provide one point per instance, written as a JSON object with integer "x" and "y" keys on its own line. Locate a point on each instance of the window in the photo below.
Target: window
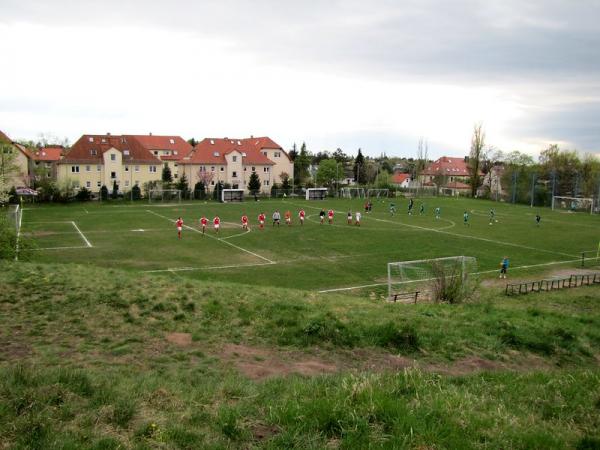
{"x": 212, "y": 183}
{"x": 202, "y": 168}
{"x": 137, "y": 168}
{"x": 172, "y": 141}
{"x": 212, "y": 168}
{"x": 93, "y": 152}
{"x": 98, "y": 168}
{"x": 264, "y": 153}
{"x": 234, "y": 158}
{"x": 222, "y": 169}
{"x": 156, "y": 152}
{"x": 212, "y": 141}
{"x": 244, "y": 169}
{"x": 266, "y": 182}
{"x": 126, "y": 168}
{"x": 99, "y": 183}
{"x": 126, "y": 183}
{"x": 243, "y": 154}
{"x": 126, "y": 152}
{"x": 216, "y": 154}
{"x": 76, "y": 184}
{"x": 88, "y": 168}
{"x": 103, "y": 140}
{"x": 239, "y": 143}
{"x": 254, "y": 169}
{"x": 234, "y": 174}
{"x": 277, "y": 154}
{"x": 48, "y": 166}
{"x": 113, "y": 157}
{"x": 152, "y": 169}
{"x": 91, "y": 139}
{"x": 48, "y": 175}
{"x": 74, "y": 169}
{"x": 113, "y": 175}
{"x": 88, "y": 184}
{"x": 265, "y": 169}
{"x": 175, "y": 175}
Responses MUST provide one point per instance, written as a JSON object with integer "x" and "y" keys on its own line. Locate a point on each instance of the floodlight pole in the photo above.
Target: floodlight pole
{"x": 532, "y": 188}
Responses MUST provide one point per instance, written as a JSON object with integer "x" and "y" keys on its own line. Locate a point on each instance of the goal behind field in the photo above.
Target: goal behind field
{"x": 447, "y": 279}
{"x": 574, "y": 204}
{"x": 352, "y": 193}
{"x": 316, "y": 193}
{"x": 378, "y": 193}
{"x": 164, "y": 195}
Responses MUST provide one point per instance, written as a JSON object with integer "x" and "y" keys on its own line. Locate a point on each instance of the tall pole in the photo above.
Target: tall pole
{"x": 532, "y": 188}
{"x": 514, "y": 187}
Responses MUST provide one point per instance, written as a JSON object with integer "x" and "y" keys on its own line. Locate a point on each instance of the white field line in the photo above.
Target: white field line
{"x": 188, "y": 269}
{"x": 18, "y": 236}
{"x": 82, "y": 235}
{"x": 61, "y": 248}
{"x": 350, "y": 288}
{"x": 216, "y": 238}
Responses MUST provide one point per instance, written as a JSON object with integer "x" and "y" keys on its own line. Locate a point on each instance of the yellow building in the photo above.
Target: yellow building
{"x": 14, "y": 162}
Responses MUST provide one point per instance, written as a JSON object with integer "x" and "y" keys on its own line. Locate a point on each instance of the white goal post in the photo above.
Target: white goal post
{"x": 316, "y": 193}
{"x": 232, "y": 195}
{"x": 164, "y": 195}
{"x": 574, "y": 204}
{"x": 352, "y": 192}
{"x": 431, "y": 278}
{"x": 377, "y": 193}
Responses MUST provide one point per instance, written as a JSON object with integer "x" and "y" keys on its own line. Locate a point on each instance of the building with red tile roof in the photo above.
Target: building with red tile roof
{"x": 232, "y": 161}
{"x": 44, "y": 162}
{"x": 20, "y": 176}
{"x": 401, "y": 179}
{"x": 449, "y": 174}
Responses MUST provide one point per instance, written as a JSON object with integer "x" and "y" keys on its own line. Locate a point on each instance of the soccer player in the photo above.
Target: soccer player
{"x": 357, "y": 223}
{"x": 203, "y": 222}
{"x": 367, "y": 207}
{"x": 276, "y": 218}
{"x": 330, "y": 216}
{"x": 179, "y": 224}
{"x": 503, "y": 267}
{"x": 261, "y": 220}
{"x": 392, "y": 208}
{"x": 349, "y": 217}
{"x": 301, "y": 215}
{"x": 438, "y": 212}
{"x": 492, "y": 216}
{"x": 217, "y": 223}
{"x": 288, "y": 218}
{"x": 538, "y": 219}
{"x": 422, "y": 209}
{"x": 466, "y": 218}
{"x": 322, "y": 216}
{"x": 245, "y": 222}
{"x": 411, "y": 203}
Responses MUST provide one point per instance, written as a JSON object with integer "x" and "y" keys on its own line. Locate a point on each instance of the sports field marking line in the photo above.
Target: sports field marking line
{"x": 61, "y": 248}
{"x": 82, "y": 235}
{"x": 189, "y": 269}
{"x": 18, "y": 236}
{"x": 351, "y": 288}
{"x": 216, "y": 238}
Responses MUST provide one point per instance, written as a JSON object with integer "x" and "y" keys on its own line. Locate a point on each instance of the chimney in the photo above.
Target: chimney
{"x": 108, "y": 134}
{"x": 466, "y": 159}
{"x": 149, "y": 134}
{"x": 251, "y": 136}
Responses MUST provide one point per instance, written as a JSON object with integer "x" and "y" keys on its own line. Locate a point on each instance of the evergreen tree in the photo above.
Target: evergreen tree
{"x": 136, "y": 192}
{"x": 104, "y": 193}
{"x": 293, "y": 152}
{"x": 83, "y": 194}
{"x": 199, "y": 190}
{"x": 182, "y": 185}
{"x": 360, "y": 169}
{"x": 115, "y": 190}
{"x": 254, "y": 183}
{"x": 301, "y": 165}
{"x": 167, "y": 177}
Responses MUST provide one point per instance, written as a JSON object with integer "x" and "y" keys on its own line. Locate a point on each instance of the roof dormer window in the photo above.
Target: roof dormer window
{"x": 126, "y": 152}
{"x": 93, "y": 152}
{"x": 91, "y": 139}
{"x": 216, "y": 154}
{"x": 174, "y": 152}
{"x": 103, "y": 140}
{"x": 212, "y": 141}
{"x": 172, "y": 141}
{"x": 239, "y": 143}
{"x": 243, "y": 154}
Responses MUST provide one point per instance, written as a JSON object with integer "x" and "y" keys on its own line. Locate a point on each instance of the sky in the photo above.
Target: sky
{"x": 376, "y": 75}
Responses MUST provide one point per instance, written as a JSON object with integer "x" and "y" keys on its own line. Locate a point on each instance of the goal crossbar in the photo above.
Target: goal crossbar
{"x": 573, "y": 203}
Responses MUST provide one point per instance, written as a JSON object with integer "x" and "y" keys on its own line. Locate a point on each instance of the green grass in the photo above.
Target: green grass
{"x": 84, "y": 363}
{"x": 312, "y": 257}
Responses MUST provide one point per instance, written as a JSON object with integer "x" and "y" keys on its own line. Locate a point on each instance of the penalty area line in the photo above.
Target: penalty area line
{"x": 82, "y": 235}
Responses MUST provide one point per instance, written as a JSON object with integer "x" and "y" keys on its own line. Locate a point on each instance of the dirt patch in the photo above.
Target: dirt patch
{"x": 262, "y": 432}
{"x": 467, "y": 366}
{"x": 180, "y": 339}
{"x": 11, "y": 349}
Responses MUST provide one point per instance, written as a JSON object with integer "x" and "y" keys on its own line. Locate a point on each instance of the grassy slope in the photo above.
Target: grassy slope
{"x": 94, "y": 369}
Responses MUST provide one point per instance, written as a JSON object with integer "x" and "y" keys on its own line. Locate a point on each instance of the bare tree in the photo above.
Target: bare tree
{"x": 475, "y": 158}
{"x": 422, "y": 158}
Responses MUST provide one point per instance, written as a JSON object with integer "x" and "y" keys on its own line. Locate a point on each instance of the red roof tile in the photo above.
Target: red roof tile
{"x": 4, "y": 137}
{"x": 448, "y": 166}
{"x": 457, "y": 185}
{"x": 49, "y": 153}
{"x": 399, "y": 178}
{"x": 213, "y": 150}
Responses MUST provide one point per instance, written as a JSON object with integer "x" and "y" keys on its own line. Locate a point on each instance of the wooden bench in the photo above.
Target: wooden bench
{"x": 405, "y": 295}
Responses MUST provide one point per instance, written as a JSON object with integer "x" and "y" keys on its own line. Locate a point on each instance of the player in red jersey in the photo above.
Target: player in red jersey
{"x": 301, "y": 214}
{"x": 217, "y": 223}
{"x": 203, "y": 223}
{"x": 179, "y": 224}
{"x": 330, "y": 216}
{"x": 288, "y": 218}
{"x": 245, "y": 222}
{"x": 261, "y": 220}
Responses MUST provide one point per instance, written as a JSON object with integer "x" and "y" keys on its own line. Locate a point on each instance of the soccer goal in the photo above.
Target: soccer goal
{"x": 232, "y": 195}
{"x": 378, "y": 193}
{"x": 448, "y": 279}
{"x": 574, "y": 204}
{"x": 164, "y": 195}
{"x": 353, "y": 193}
{"x": 316, "y": 193}
{"x": 14, "y": 217}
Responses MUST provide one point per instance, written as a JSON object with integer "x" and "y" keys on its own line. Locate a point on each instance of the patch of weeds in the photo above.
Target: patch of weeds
{"x": 588, "y": 443}
{"x": 328, "y": 328}
{"x": 183, "y": 438}
{"x": 148, "y": 431}
{"x": 403, "y": 338}
{"x": 189, "y": 306}
{"x": 179, "y": 316}
{"x": 227, "y": 422}
{"x": 107, "y": 443}
{"x": 76, "y": 381}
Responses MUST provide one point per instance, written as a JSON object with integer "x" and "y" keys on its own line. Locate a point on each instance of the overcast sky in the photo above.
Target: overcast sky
{"x": 371, "y": 74}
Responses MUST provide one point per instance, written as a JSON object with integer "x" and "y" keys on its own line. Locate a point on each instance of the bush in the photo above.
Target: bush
{"x": 83, "y": 195}
{"x": 104, "y": 193}
{"x": 404, "y": 338}
{"x": 136, "y": 192}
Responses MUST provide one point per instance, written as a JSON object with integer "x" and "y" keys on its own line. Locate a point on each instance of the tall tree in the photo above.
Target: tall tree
{"x": 285, "y": 181}
{"x": 329, "y": 172}
{"x": 301, "y": 165}
{"x": 166, "y": 177}
{"x": 8, "y": 169}
{"x": 360, "y": 170}
{"x": 477, "y": 151}
{"x": 254, "y": 183}
{"x": 182, "y": 185}
{"x": 293, "y": 152}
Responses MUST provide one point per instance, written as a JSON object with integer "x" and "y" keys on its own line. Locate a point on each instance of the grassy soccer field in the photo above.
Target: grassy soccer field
{"x": 142, "y": 237}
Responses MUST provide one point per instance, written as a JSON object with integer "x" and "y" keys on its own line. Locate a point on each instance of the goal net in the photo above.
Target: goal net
{"x": 232, "y": 195}
{"x": 441, "y": 279}
{"x": 164, "y": 195}
{"x": 353, "y": 193}
{"x": 13, "y": 218}
{"x": 316, "y": 193}
{"x": 378, "y": 193}
{"x": 574, "y": 204}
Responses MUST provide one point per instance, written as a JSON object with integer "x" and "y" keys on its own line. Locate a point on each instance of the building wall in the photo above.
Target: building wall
{"x": 20, "y": 176}
{"x": 224, "y": 173}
